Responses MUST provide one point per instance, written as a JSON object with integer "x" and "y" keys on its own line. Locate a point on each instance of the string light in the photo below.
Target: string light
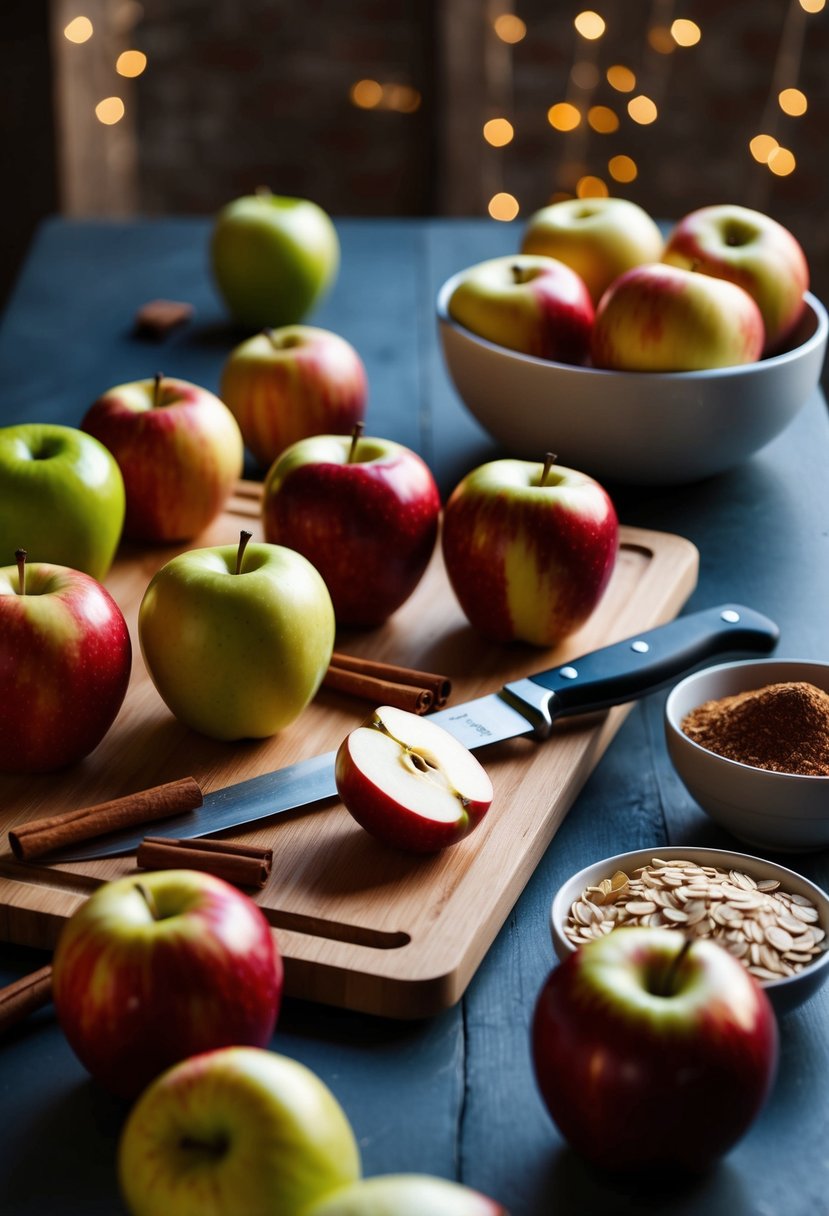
{"x": 78, "y": 30}
{"x": 762, "y": 146}
{"x": 131, "y": 63}
{"x": 498, "y": 132}
{"x": 622, "y": 168}
{"x": 503, "y": 206}
{"x": 642, "y": 109}
{"x": 109, "y": 111}
{"x": 603, "y": 120}
{"x": 591, "y": 187}
{"x": 620, "y": 78}
{"x": 685, "y": 32}
{"x": 563, "y": 116}
{"x": 792, "y": 102}
{"x": 590, "y": 25}
{"x": 509, "y": 28}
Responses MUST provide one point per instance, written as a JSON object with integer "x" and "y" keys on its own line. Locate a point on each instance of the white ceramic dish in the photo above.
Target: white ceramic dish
{"x": 785, "y": 993}
{"x": 642, "y": 428}
{"x": 781, "y": 811}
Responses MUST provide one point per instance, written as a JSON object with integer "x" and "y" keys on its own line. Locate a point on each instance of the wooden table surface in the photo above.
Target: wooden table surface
{"x": 453, "y": 1095}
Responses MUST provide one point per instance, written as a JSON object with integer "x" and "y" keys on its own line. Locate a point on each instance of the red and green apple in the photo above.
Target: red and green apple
{"x": 158, "y": 966}
{"x": 535, "y": 305}
{"x": 179, "y": 450}
{"x": 653, "y": 1051}
{"x": 274, "y": 258}
{"x": 237, "y": 638}
{"x": 364, "y": 510}
{"x": 286, "y": 384}
{"x": 752, "y": 250}
{"x": 61, "y": 497}
{"x": 599, "y": 238}
{"x": 529, "y": 549}
{"x": 660, "y": 318}
{"x": 410, "y": 783}
{"x": 65, "y": 658}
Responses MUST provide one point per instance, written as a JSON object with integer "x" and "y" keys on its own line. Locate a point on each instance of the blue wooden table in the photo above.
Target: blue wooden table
{"x": 453, "y": 1095}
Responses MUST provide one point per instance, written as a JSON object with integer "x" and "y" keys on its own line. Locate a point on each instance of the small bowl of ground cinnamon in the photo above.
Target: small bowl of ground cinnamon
{"x": 750, "y": 741}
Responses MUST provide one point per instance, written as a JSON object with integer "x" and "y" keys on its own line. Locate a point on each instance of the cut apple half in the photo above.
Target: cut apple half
{"x": 410, "y": 783}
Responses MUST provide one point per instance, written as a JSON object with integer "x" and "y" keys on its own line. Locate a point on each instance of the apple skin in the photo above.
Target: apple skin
{"x": 528, "y": 562}
{"x": 65, "y": 658}
{"x": 369, "y": 525}
{"x": 600, "y": 238}
{"x": 141, "y": 983}
{"x": 237, "y": 656}
{"x": 274, "y": 257}
{"x": 61, "y": 497}
{"x": 286, "y": 384}
{"x": 535, "y": 305}
{"x": 660, "y": 318}
{"x": 179, "y": 450}
{"x": 637, "y": 1081}
{"x": 749, "y": 249}
{"x": 406, "y": 1195}
{"x": 409, "y": 783}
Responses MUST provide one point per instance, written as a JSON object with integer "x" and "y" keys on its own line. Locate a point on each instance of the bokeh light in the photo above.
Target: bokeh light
{"x": 109, "y": 111}
{"x": 762, "y": 146}
{"x": 591, "y": 187}
{"x": 792, "y": 102}
{"x": 603, "y": 119}
{"x": 503, "y": 206}
{"x": 131, "y": 63}
{"x": 620, "y": 78}
{"x": 79, "y": 30}
{"x": 498, "y": 132}
{"x": 642, "y": 109}
{"x": 622, "y": 168}
{"x": 782, "y": 162}
{"x": 685, "y": 32}
{"x": 590, "y": 25}
{"x": 509, "y": 28}
{"x": 563, "y": 116}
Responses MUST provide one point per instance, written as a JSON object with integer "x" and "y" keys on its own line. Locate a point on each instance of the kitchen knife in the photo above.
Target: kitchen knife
{"x": 610, "y": 676}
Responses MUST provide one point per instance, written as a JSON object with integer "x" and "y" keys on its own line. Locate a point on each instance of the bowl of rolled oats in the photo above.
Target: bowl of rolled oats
{"x": 771, "y": 918}
{"x": 750, "y": 741}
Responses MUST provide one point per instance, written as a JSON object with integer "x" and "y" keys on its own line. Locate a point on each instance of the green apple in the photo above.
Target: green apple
{"x": 235, "y": 1132}
{"x": 406, "y": 1195}
{"x": 61, "y": 497}
{"x": 237, "y": 641}
{"x": 273, "y": 258}
{"x": 599, "y": 238}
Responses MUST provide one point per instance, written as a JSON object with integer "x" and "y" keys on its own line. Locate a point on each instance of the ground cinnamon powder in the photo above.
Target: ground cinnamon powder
{"x": 783, "y": 727}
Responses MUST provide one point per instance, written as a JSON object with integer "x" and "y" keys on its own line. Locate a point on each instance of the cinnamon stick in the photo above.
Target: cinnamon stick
{"x": 393, "y": 679}
{"x": 380, "y": 691}
{"x": 42, "y": 836}
{"x": 242, "y": 865}
{"x": 24, "y": 996}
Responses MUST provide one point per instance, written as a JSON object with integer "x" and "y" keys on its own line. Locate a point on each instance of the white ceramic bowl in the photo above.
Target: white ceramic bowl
{"x": 784, "y": 993}
{"x": 781, "y": 811}
{"x": 646, "y": 428}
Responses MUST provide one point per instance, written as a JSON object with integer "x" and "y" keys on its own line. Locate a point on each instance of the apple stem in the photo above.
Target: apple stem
{"x": 355, "y": 439}
{"x": 146, "y": 895}
{"x": 263, "y": 192}
{"x": 517, "y": 274}
{"x": 159, "y": 376}
{"x": 244, "y": 537}
{"x": 549, "y": 461}
{"x": 20, "y": 556}
{"x": 667, "y": 986}
{"x": 269, "y": 334}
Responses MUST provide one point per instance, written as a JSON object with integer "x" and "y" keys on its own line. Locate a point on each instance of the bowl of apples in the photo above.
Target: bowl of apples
{"x": 637, "y": 358}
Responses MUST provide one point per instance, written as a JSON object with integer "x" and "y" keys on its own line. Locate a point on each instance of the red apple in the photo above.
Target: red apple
{"x": 180, "y": 452}
{"x": 536, "y": 305}
{"x": 410, "y": 783}
{"x": 363, "y": 511}
{"x": 529, "y": 549}
{"x": 286, "y": 384}
{"x": 65, "y": 658}
{"x": 653, "y": 1051}
{"x": 658, "y": 318}
{"x": 159, "y": 966}
{"x": 751, "y": 250}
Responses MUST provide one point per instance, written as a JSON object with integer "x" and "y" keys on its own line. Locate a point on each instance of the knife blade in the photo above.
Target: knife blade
{"x": 612, "y": 675}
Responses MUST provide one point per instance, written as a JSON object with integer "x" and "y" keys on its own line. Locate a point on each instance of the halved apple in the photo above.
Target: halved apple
{"x": 410, "y": 783}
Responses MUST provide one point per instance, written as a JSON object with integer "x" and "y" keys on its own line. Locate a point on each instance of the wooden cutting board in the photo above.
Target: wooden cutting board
{"x": 359, "y": 925}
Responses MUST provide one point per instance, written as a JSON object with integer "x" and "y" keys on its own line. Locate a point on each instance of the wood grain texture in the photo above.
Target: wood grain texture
{"x": 359, "y": 925}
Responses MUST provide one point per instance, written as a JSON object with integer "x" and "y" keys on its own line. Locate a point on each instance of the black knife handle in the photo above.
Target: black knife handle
{"x": 642, "y": 663}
